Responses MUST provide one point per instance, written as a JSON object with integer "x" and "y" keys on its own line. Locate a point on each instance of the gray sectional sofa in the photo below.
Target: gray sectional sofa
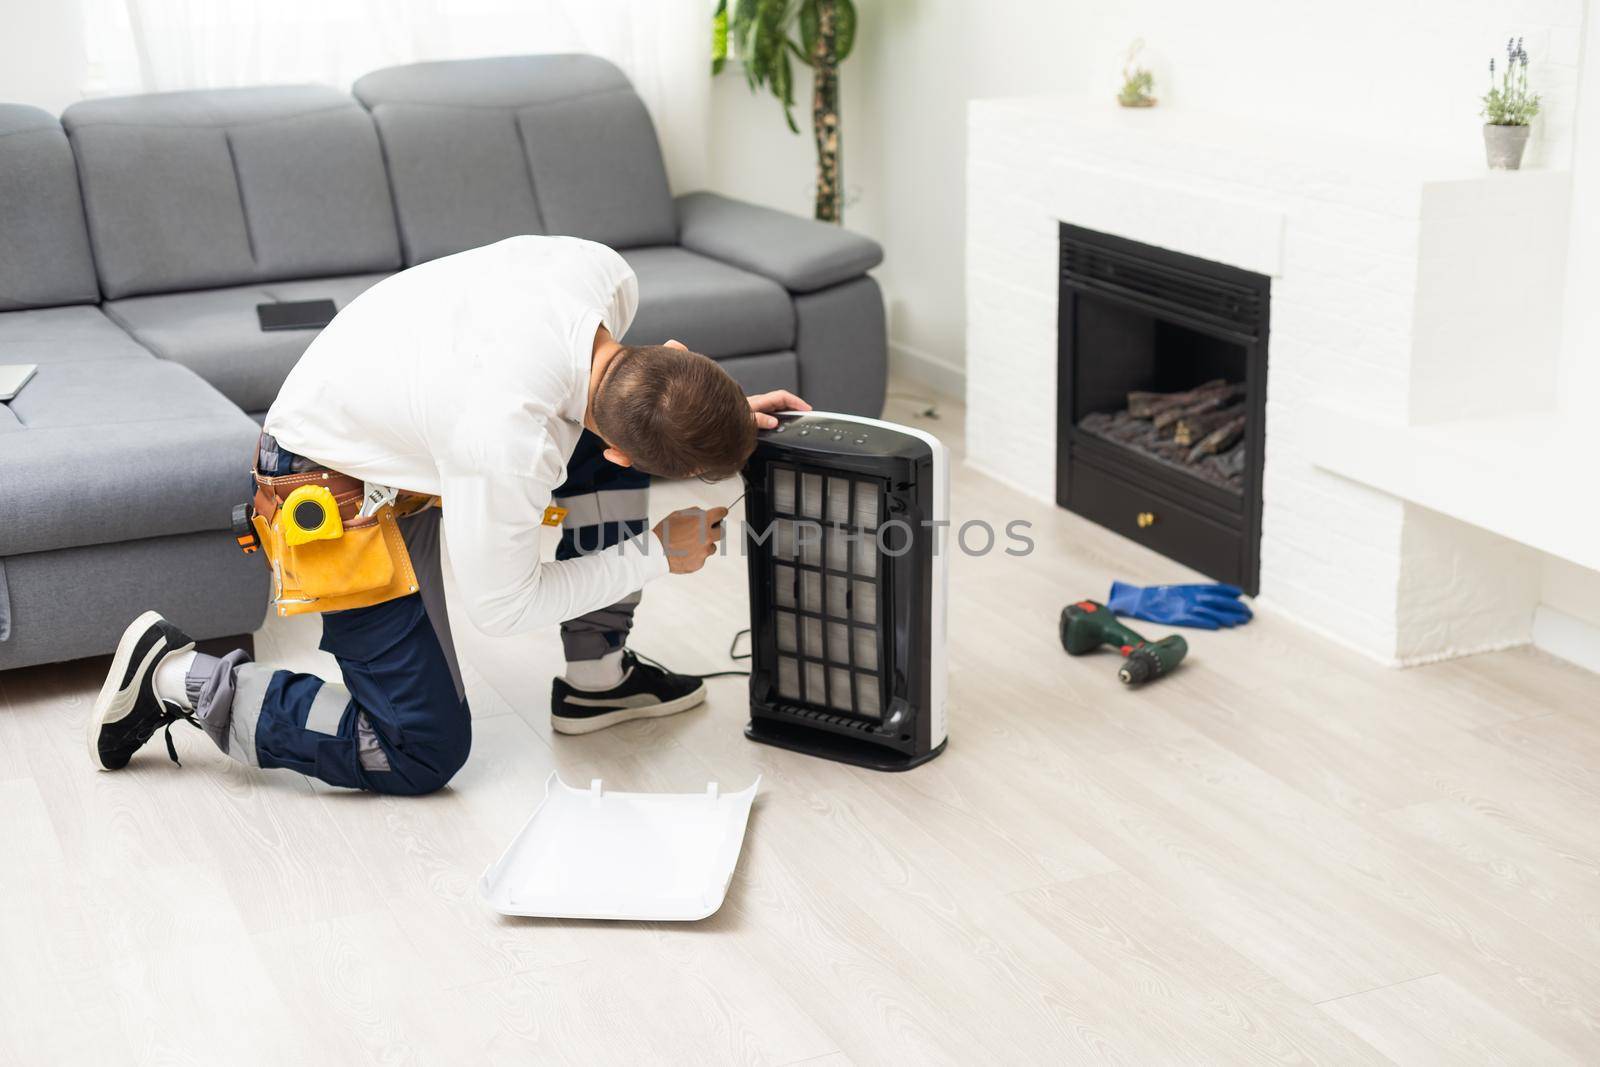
{"x": 137, "y": 236}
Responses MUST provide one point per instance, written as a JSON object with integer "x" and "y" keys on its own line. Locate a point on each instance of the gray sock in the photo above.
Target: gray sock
{"x": 209, "y": 685}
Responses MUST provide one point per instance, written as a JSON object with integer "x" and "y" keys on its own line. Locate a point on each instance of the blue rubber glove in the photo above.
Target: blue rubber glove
{"x": 1205, "y": 607}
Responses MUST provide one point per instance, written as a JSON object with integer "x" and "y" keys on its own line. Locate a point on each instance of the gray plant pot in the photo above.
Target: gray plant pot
{"x": 1504, "y": 145}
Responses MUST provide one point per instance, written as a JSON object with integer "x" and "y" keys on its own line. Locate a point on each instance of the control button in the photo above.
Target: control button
{"x": 861, "y": 440}
{"x": 838, "y": 437}
{"x": 804, "y": 432}
{"x": 782, "y": 426}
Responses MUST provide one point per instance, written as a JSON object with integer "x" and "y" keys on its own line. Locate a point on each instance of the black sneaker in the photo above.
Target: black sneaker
{"x": 127, "y": 713}
{"x": 647, "y": 691}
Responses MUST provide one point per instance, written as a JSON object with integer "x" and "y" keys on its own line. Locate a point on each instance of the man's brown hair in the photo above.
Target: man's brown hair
{"x": 675, "y": 413}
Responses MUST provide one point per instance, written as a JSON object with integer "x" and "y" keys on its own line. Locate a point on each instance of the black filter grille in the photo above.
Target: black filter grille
{"x": 826, "y": 575}
{"x": 1237, "y": 306}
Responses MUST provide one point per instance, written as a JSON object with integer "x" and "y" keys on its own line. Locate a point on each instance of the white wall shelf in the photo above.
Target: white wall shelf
{"x": 1521, "y": 476}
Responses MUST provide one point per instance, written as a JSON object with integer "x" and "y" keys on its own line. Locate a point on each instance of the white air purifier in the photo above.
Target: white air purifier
{"x": 846, "y": 519}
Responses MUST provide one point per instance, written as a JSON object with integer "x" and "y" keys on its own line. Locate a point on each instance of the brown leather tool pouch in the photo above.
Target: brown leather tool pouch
{"x": 366, "y": 564}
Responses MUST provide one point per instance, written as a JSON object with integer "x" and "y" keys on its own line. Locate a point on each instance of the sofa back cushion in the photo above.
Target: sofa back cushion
{"x": 482, "y": 149}
{"x": 220, "y": 187}
{"x": 44, "y": 249}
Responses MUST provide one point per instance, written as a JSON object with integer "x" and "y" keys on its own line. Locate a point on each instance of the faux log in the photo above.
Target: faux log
{"x": 1144, "y": 405}
{"x": 1210, "y": 402}
{"x": 1136, "y": 433}
{"x": 1217, "y": 440}
{"x": 1191, "y": 427}
{"x": 1226, "y": 469}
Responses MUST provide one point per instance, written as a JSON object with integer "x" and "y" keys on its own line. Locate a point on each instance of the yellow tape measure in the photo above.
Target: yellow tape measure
{"x": 310, "y": 514}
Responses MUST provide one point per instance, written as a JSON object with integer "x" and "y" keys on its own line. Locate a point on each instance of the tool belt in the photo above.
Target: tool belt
{"x": 324, "y": 555}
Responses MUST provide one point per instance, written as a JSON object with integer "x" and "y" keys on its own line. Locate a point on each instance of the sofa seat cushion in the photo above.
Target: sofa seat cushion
{"x": 119, "y": 449}
{"x": 711, "y": 307}
{"x": 60, "y": 335}
{"x": 215, "y": 332}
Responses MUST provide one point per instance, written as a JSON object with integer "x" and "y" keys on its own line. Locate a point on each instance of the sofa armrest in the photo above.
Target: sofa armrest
{"x": 800, "y": 254}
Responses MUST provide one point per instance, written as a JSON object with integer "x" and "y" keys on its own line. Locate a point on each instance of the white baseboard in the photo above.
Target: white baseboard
{"x": 913, "y": 365}
{"x": 1403, "y": 662}
{"x": 1573, "y": 639}
{"x": 1014, "y": 486}
{"x": 1267, "y": 605}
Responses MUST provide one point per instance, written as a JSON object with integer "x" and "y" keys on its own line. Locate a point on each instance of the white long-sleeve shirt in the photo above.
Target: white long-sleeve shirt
{"x": 467, "y": 378}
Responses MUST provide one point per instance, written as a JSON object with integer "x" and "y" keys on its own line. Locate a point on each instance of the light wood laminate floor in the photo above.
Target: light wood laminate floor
{"x": 1283, "y": 853}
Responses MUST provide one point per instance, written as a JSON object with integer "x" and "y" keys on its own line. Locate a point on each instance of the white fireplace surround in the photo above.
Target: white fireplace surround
{"x": 1412, "y": 363}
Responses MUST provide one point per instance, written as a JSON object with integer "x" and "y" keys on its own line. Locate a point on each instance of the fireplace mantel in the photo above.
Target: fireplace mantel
{"x": 1509, "y": 474}
{"x": 1391, "y": 267}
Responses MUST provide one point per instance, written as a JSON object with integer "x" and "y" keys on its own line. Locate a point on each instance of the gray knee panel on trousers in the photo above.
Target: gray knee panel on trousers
{"x": 421, "y": 533}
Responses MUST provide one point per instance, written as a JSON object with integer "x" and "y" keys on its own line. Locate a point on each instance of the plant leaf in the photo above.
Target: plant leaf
{"x": 807, "y": 20}
{"x": 767, "y": 41}
{"x": 719, "y": 38}
{"x": 783, "y": 86}
{"x": 844, "y": 30}
{"x": 783, "y": 79}
{"x": 740, "y": 23}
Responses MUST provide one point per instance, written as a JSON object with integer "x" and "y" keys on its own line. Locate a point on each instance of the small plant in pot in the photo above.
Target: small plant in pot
{"x": 1509, "y": 107}
{"x": 1138, "y": 84}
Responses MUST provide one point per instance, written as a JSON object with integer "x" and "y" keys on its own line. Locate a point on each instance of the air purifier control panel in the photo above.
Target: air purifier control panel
{"x": 831, "y": 435}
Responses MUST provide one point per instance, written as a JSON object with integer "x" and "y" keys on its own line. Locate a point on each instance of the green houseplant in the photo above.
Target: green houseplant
{"x": 1138, "y": 84}
{"x": 1509, "y": 107}
{"x": 769, "y": 37}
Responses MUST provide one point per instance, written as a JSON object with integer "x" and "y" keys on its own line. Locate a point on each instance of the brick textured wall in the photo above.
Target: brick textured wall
{"x": 1354, "y": 236}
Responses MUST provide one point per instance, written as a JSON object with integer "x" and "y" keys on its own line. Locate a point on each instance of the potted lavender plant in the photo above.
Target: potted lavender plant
{"x": 1509, "y": 107}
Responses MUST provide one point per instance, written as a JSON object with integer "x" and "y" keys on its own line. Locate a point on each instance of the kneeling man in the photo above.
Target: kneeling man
{"x": 474, "y": 400}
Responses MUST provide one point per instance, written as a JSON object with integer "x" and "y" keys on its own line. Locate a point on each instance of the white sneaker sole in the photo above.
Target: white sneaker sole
{"x": 562, "y": 724}
{"x": 114, "y": 702}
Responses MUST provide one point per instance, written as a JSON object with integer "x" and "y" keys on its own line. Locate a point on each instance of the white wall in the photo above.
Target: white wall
{"x": 1569, "y": 619}
{"x": 53, "y": 52}
{"x": 42, "y": 57}
{"x": 1354, "y": 66}
{"x": 1580, "y": 358}
{"x": 904, "y": 113}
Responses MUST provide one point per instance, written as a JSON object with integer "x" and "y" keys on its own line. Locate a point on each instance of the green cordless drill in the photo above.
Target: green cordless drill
{"x": 1088, "y": 625}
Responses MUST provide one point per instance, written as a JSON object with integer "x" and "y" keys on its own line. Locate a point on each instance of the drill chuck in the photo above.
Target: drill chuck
{"x": 1135, "y": 670}
{"x": 1151, "y": 661}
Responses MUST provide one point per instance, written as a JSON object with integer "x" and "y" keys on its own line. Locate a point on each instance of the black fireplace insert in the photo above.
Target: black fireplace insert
{"x": 1161, "y": 411}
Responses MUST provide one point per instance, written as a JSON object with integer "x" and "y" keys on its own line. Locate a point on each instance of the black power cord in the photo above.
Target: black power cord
{"x": 600, "y": 509}
{"x": 732, "y": 654}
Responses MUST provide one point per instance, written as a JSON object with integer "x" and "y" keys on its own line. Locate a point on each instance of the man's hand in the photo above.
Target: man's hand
{"x": 777, "y": 400}
{"x": 689, "y": 536}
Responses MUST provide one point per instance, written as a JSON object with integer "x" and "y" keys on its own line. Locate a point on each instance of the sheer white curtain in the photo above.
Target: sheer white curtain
{"x": 662, "y": 45}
